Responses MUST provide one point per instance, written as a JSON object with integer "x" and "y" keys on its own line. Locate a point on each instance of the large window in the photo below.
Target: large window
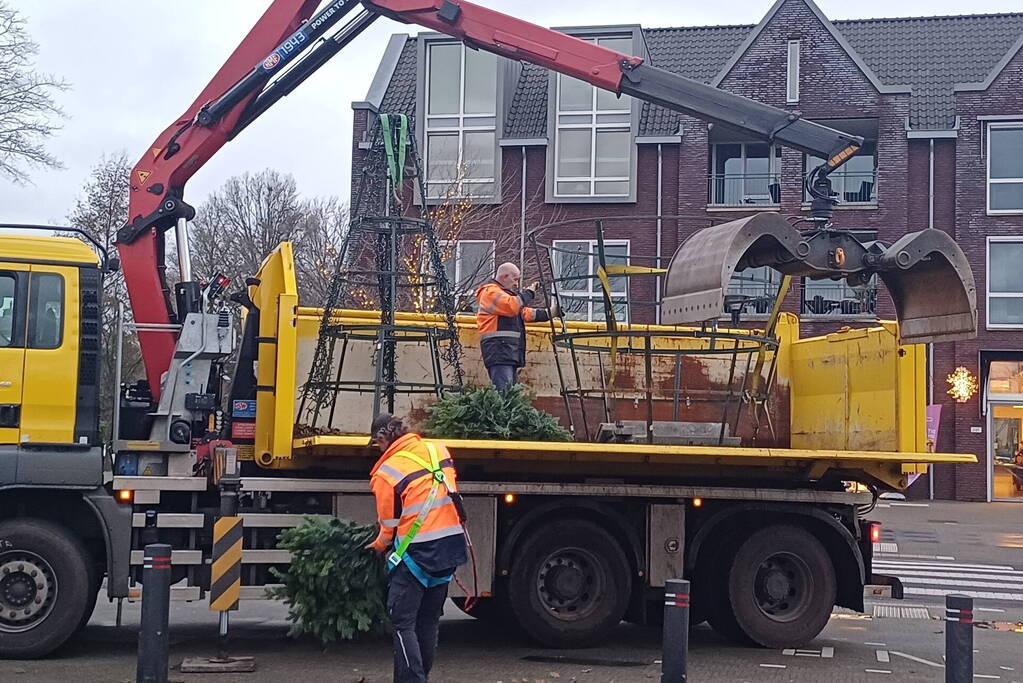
{"x": 836, "y": 298}
{"x": 461, "y": 121}
{"x": 1005, "y": 282}
{"x": 575, "y": 267}
{"x": 855, "y": 182}
{"x": 467, "y": 264}
{"x": 593, "y": 137}
{"x": 753, "y": 291}
{"x": 1005, "y": 168}
{"x": 744, "y": 174}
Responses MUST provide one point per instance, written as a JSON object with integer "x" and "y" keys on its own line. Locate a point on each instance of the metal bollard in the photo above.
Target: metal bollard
{"x": 958, "y": 639}
{"x": 675, "y": 638}
{"x": 154, "y": 645}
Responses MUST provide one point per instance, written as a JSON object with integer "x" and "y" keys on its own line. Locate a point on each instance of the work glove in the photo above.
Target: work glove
{"x": 555, "y": 309}
{"x": 533, "y": 287}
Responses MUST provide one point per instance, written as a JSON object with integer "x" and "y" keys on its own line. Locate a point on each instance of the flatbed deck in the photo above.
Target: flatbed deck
{"x": 620, "y": 459}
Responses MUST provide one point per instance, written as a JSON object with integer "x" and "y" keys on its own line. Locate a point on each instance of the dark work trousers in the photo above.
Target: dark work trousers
{"x": 415, "y": 615}
{"x": 503, "y": 376}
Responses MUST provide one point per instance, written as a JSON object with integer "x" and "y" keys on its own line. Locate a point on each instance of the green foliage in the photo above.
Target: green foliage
{"x": 334, "y": 588}
{"x": 486, "y": 413}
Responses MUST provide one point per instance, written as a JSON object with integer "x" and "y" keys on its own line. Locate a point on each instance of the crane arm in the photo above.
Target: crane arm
{"x": 267, "y": 66}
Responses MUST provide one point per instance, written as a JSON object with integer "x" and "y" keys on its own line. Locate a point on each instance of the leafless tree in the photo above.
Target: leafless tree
{"x": 243, "y": 221}
{"x": 102, "y": 208}
{"x": 28, "y": 112}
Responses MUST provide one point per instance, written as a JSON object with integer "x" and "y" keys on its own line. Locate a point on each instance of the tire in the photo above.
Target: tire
{"x": 714, "y": 595}
{"x": 781, "y": 587}
{"x": 95, "y": 583}
{"x": 48, "y": 611}
{"x": 571, "y": 584}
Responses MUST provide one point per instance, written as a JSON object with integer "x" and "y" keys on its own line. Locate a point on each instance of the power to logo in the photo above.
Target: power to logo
{"x": 271, "y": 61}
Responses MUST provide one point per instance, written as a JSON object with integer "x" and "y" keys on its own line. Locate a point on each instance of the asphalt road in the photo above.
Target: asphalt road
{"x": 935, "y": 549}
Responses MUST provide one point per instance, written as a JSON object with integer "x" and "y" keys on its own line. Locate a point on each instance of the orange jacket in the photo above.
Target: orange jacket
{"x": 500, "y": 318}
{"x": 401, "y": 486}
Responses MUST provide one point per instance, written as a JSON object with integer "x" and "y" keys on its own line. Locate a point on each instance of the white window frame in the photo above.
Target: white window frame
{"x": 465, "y": 124}
{"x": 998, "y": 295}
{"x": 996, "y": 181}
{"x": 593, "y": 291}
{"x": 457, "y": 255}
{"x": 774, "y": 169}
{"x": 593, "y": 126}
{"x": 792, "y": 73}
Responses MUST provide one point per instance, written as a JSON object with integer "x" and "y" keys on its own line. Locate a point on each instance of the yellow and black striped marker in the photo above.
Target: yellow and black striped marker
{"x": 226, "y": 575}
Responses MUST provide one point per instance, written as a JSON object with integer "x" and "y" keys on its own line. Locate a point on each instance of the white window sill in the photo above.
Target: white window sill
{"x": 1005, "y": 212}
{"x": 998, "y": 326}
{"x": 825, "y": 317}
{"x": 851, "y": 206}
{"x": 735, "y": 209}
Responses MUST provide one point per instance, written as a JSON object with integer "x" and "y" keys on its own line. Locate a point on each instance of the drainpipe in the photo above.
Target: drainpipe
{"x": 660, "y": 198}
{"x": 522, "y": 214}
{"x": 930, "y": 347}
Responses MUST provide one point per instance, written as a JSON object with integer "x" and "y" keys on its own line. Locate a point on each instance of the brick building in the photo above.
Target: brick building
{"x": 939, "y": 101}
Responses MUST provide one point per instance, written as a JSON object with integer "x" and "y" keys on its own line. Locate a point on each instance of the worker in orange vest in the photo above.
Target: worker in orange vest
{"x": 501, "y": 314}
{"x": 420, "y": 515}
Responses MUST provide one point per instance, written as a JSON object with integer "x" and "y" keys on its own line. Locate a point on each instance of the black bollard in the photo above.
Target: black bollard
{"x": 675, "y": 639}
{"x": 154, "y": 646}
{"x": 958, "y": 639}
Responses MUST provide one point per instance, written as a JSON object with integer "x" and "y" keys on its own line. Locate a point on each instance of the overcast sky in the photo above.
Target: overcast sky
{"x": 134, "y": 66}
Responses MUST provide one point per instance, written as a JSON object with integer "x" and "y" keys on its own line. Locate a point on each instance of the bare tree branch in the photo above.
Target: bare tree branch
{"x": 28, "y": 112}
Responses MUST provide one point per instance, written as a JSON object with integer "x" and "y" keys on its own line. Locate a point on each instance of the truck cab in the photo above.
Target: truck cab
{"x": 58, "y": 523}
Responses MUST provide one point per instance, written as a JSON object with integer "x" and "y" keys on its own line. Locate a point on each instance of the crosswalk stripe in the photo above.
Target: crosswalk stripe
{"x": 961, "y": 575}
{"x": 1012, "y": 597}
{"x": 937, "y": 565}
{"x": 907, "y": 579}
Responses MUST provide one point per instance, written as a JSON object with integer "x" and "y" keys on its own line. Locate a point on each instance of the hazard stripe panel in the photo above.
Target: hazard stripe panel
{"x": 226, "y": 571}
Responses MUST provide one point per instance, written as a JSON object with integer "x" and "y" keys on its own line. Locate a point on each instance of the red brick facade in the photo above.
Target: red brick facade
{"x": 832, "y": 86}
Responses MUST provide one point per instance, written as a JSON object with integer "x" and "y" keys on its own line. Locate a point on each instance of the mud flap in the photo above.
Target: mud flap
{"x": 926, "y": 272}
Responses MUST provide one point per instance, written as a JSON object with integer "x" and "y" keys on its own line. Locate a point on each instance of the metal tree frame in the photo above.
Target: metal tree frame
{"x": 387, "y": 260}
{"x": 752, "y": 349}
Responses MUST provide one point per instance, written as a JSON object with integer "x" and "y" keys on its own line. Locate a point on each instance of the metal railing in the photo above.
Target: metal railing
{"x": 744, "y": 189}
{"x": 837, "y": 299}
{"x": 853, "y": 187}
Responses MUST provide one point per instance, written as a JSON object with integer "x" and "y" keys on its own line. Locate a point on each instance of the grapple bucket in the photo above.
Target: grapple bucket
{"x": 926, "y": 272}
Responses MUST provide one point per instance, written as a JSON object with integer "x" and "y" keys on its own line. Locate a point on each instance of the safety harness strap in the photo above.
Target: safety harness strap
{"x": 437, "y": 474}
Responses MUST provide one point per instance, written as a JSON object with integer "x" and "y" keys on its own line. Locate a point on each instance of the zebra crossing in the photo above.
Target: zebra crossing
{"x": 940, "y": 575}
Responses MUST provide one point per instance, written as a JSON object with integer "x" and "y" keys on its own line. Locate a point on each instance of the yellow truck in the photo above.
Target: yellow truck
{"x": 570, "y": 537}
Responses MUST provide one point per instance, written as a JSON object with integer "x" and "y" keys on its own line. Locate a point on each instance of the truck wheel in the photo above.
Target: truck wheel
{"x": 713, "y": 591}
{"x": 44, "y": 587}
{"x": 95, "y": 583}
{"x": 782, "y": 587}
{"x": 570, "y": 584}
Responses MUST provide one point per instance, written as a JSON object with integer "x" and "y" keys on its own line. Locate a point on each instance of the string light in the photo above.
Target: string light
{"x": 962, "y": 384}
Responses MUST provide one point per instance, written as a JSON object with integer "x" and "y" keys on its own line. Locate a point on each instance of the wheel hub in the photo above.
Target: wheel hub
{"x": 27, "y": 591}
{"x": 783, "y": 586}
{"x": 570, "y": 583}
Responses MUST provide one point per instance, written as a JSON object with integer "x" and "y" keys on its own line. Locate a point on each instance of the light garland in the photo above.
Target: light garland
{"x": 962, "y": 384}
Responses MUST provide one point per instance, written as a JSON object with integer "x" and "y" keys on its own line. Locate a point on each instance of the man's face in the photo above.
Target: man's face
{"x": 509, "y": 279}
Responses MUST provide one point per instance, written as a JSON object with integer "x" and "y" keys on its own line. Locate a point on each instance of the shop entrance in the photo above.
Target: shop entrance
{"x": 1005, "y": 429}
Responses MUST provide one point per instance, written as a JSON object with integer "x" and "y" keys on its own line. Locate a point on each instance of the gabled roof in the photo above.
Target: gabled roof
{"x": 828, "y": 26}
{"x": 930, "y": 55}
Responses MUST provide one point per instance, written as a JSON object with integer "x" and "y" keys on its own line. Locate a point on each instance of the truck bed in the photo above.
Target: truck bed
{"x": 579, "y": 461}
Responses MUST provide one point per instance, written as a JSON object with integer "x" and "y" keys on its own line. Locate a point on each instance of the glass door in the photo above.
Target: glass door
{"x": 1006, "y": 450}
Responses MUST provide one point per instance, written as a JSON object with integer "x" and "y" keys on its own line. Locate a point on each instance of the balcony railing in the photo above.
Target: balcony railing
{"x": 837, "y": 299}
{"x": 744, "y": 189}
{"x": 853, "y": 187}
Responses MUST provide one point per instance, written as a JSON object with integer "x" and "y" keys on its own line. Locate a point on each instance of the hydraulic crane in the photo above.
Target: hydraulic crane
{"x": 290, "y": 42}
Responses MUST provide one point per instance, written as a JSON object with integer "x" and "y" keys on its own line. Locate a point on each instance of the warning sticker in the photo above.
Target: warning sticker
{"x": 143, "y": 175}
{"x": 156, "y": 152}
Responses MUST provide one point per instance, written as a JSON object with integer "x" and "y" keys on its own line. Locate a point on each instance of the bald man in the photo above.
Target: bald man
{"x": 503, "y": 310}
